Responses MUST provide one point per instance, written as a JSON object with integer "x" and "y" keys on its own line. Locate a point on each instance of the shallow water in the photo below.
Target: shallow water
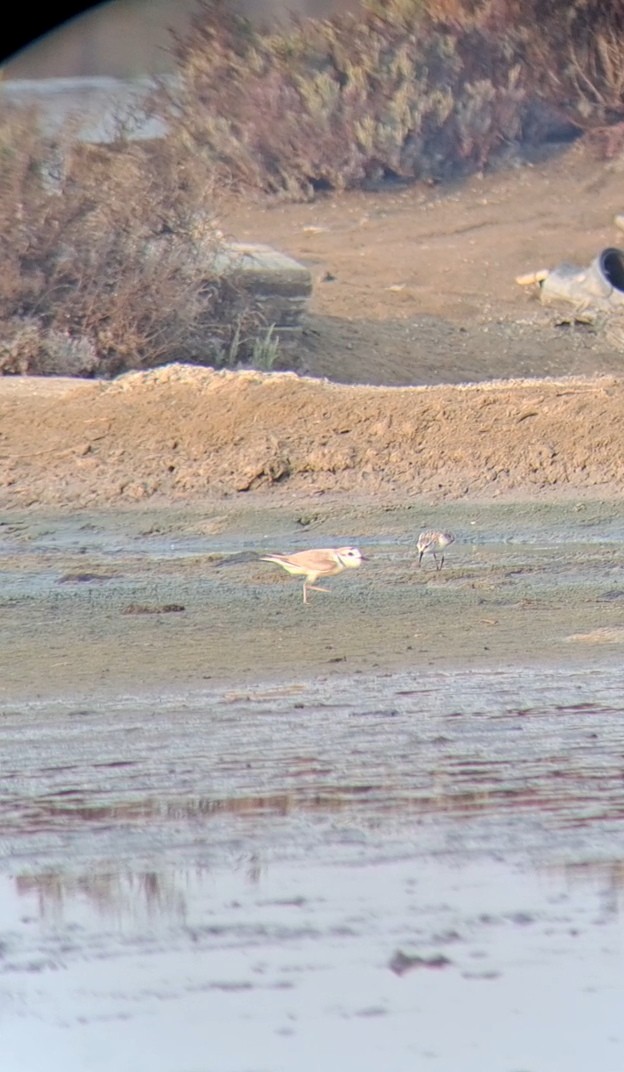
{"x": 411, "y": 871}
{"x": 382, "y": 831}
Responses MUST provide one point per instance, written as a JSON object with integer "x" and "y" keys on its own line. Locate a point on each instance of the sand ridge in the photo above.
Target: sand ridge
{"x": 429, "y": 371}
{"x": 185, "y": 432}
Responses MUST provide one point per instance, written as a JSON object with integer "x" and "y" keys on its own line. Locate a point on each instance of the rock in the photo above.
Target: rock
{"x": 279, "y": 285}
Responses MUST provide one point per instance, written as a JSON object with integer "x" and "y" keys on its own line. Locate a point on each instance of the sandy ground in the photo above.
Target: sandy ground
{"x": 241, "y": 806}
{"x": 230, "y": 463}
{"x": 160, "y": 602}
{"x": 183, "y": 434}
{"x": 413, "y": 287}
{"x": 417, "y": 285}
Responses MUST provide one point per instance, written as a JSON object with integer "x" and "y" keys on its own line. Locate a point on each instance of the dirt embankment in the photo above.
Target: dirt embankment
{"x": 183, "y": 432}
{"x": 414, "y": 291}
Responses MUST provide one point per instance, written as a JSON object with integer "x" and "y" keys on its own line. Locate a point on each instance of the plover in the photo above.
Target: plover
{"x": 322, "y": 562}
{"x": 430, "y": 543}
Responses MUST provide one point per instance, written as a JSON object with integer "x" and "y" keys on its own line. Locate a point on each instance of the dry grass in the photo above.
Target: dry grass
{"x": 393, "y": 92}
{"x": 109, "y": 254}
{"x": 108, "y": 258}
{"x": 415, "y": 89}
{"x": 576, "y": 54}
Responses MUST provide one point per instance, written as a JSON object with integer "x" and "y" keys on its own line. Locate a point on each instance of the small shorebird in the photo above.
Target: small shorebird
{"x": 429, "y": 543}
{"x": 324, "y": 562}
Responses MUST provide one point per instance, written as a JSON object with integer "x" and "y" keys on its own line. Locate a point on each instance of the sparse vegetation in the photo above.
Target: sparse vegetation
{"x": 109, "y": 254}
{"x": 575, "y": 52}
{"x": 108, "y": 258}
{"x": 416, "y": 89}
{"x": 265, "y": 350}
{"x": 395, "y": 91}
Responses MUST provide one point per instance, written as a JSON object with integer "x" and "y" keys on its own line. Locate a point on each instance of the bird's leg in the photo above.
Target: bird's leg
{"x": 440, "y": 563}
{"x": 420, "y": 558}
{"x": 311, "y": 588}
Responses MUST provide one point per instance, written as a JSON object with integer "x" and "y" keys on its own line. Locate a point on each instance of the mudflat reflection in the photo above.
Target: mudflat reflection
{"x": 163, "y": 896}
{"x": 221, "y": 874}
{"x": 303, "y": 964}
{"x": 148, "y": 896}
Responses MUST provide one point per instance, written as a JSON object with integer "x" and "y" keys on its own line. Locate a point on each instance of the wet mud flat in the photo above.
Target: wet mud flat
{"x": 255, "y": 835}
{"x": 163, "y": 601}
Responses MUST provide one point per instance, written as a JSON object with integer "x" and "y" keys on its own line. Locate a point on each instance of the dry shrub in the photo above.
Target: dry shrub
{"x": 575, "y": 53}
{"x": 108, "y": 257}
{"x": 392, "y": 92}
